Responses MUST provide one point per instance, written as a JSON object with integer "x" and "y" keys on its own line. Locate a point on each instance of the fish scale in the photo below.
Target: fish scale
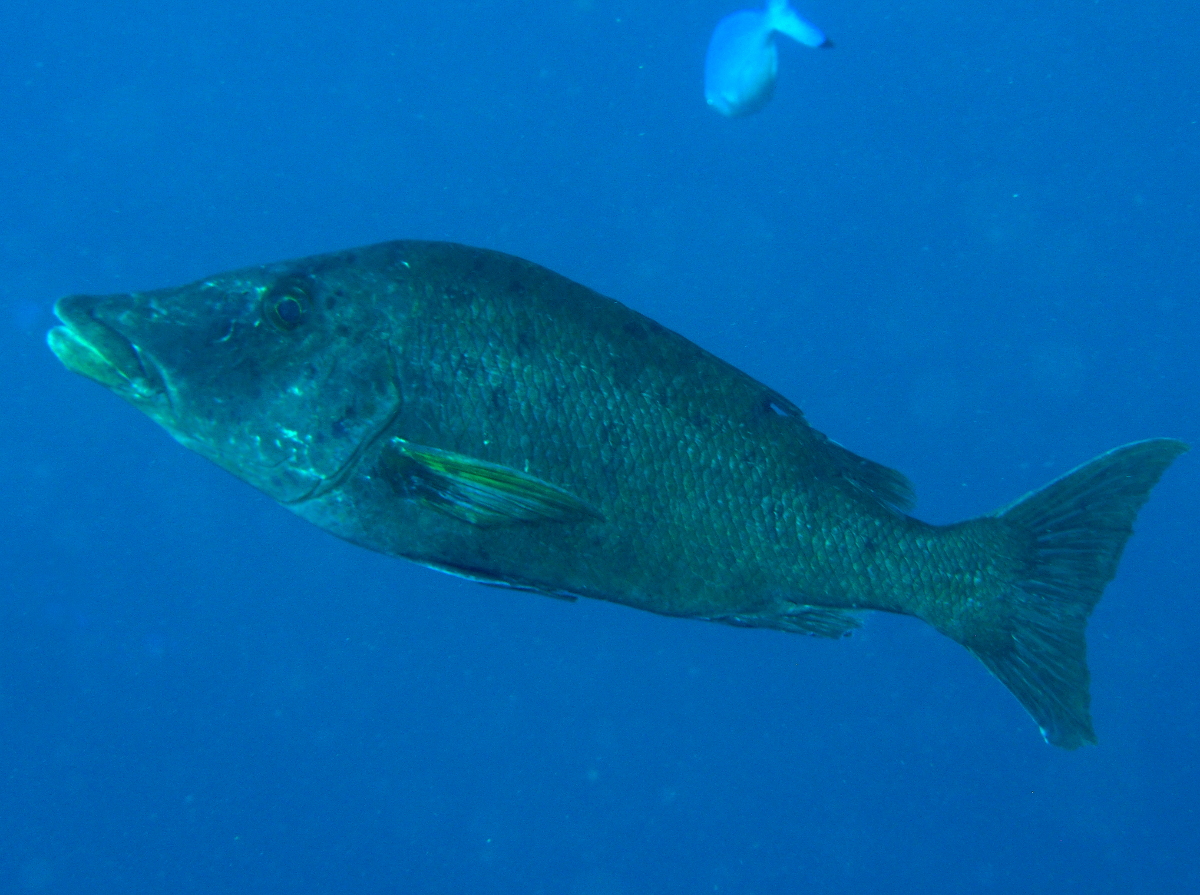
{"x": 482, "y": 415}
{"x": 738, "y": 562}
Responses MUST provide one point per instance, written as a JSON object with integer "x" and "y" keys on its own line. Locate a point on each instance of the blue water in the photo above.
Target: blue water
{"x": 965, "y": 242}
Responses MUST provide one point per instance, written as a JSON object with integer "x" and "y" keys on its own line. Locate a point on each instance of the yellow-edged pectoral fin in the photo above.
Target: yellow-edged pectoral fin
{"x": 476, "y": 491}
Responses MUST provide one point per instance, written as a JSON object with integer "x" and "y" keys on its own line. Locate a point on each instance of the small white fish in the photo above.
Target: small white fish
{"x": 739, "y": 71}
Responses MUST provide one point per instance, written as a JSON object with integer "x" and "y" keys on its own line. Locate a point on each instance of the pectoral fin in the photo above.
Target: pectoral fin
{"x": 476, "y": 491}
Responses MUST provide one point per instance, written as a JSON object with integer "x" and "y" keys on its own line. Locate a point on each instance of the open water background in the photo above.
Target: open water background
{"x": 965, "y": 242}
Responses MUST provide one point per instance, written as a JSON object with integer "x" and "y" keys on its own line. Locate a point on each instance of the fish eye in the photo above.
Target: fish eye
{"x": 289, "y": 311}
{"x": 286, "y": 306}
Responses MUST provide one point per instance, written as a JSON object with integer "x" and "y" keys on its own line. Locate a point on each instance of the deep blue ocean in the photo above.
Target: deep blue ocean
{"x": 966, "y": 242}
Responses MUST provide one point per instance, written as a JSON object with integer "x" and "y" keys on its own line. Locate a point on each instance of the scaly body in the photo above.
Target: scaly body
{"x": 480, "y": 414}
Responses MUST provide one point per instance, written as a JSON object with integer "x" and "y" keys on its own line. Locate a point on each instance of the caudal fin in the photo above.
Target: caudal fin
{"x": 782, "y": 18}
{"x": 1077, "y": 528}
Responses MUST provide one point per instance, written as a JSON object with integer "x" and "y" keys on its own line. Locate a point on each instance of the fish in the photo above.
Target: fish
{"x": 743, "y": 60}
{"x": 482, "y": 415}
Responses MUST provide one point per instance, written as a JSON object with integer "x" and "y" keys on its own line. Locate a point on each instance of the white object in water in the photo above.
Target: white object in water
{"x": 742, "y": 61}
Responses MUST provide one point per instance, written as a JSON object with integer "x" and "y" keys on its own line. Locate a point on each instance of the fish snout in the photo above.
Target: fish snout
{"x": 88, "y": 342}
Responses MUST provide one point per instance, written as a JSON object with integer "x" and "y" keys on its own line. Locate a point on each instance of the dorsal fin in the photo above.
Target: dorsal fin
{"x": 889, "y": 487}
{"x": 885, "y": 484}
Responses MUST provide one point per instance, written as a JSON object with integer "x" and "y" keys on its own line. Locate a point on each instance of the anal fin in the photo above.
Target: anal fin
{"x": 817, "y": 621}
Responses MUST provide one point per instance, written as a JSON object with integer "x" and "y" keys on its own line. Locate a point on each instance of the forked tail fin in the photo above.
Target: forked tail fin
{"x": 782, "y": 18}
{"x": 1077, "y": 526}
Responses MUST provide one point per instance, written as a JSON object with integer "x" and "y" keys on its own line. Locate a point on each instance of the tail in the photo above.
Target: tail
{"x": 782, "y": 18}
{"x": 1076, "y": 528}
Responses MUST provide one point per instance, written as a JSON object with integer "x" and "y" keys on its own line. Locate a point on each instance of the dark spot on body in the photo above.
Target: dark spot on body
{"x": 626, "y": 370}
{"x": 517, "y": 287}
{"x": 458, "y": 295}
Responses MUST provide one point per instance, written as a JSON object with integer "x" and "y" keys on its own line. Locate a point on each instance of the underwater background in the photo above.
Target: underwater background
{"x": 966, "y": 242}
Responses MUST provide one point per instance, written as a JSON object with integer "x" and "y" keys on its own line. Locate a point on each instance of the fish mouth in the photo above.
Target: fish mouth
{"x": 87, "y": 345}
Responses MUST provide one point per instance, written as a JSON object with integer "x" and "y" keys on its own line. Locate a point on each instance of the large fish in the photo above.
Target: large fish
{"x": 742, "y": 59}
{"x": 482, "y": 415}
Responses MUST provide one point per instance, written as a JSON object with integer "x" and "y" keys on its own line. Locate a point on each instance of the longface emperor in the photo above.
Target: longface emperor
{"x": 480, "y": 414}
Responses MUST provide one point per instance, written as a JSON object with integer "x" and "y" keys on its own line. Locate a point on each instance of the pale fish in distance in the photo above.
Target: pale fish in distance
{"x": 742, "y": 60}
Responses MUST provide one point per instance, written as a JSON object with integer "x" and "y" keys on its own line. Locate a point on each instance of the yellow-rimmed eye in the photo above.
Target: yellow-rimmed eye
{"x": 286, "y": 306}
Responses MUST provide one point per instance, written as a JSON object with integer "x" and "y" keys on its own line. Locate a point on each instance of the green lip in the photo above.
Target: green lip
{"x": 89, "y": 347}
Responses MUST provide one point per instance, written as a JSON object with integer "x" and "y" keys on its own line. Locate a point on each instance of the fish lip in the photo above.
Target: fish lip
{"x": 93, "y": 347}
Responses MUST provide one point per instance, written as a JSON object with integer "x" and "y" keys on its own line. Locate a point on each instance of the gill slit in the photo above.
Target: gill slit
{"x": 323, "y": 487}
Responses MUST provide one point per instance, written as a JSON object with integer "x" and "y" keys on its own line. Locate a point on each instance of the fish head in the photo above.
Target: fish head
{"x": 282, "y": 375}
